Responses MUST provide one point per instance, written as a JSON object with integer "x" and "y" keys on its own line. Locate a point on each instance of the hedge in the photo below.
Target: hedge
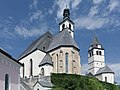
{"x": 79, "y": 82}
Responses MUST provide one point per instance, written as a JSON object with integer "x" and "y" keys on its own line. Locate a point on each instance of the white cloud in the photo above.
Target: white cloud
{"x": 97, "y": 1}
{"x": 22, "y": 31}
{"x": 89, "y": 23}
{"x": 34, "y": 4}
{"x": 75, "y": 3}
{"x": 93, "y": 10}
{"x": 113, "y": 4}
{"x": 36, "y": 15}
{"x": 32, "y": 31}
{"x": 50, "y": 11}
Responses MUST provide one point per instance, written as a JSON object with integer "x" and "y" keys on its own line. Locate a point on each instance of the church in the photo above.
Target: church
{"x": 54, "y": 54}
{"x": 96, "y": 62}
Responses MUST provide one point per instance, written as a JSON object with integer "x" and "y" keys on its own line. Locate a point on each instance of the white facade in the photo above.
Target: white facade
{"x": 106, "y": 77}
{"x": 36, "y": 58}
{"x": 96, "y": 61}
{"x": 48, "y": 69}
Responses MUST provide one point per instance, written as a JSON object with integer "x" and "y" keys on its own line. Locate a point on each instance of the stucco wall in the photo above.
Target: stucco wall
{"x": 7, "y": 66}
{"x": 36, "y": 57}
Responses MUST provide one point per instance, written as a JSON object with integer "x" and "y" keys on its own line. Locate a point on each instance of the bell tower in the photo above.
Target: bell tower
{"x": 96, "y": 58}
{"x": 67, "y": 23}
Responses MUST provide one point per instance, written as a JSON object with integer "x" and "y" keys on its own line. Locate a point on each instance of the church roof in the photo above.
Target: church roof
{"x": 42, "y": 41}
{"x": 105, "y": 69}
{"x": 9, "y": 56}
{"x": 46, "y": 60}
{"x": 62, "y": 39}
{"x": 46, "y": 83}
{"x": 95, "y": 41}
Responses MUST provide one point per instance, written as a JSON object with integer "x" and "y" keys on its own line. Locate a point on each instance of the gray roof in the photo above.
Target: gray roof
{"x": 105, "y": 69}
{"x": 95, "y": 41}
{"x": 46, "y": 83}
{"x": 46, "y": 60}
{"x": 25, "y": 85}
{"x": 62, "y": 39}
{"x": 42, "y": 41}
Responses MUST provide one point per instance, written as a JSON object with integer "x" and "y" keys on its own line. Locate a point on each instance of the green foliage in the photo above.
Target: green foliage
{"x": 78, "y": 82}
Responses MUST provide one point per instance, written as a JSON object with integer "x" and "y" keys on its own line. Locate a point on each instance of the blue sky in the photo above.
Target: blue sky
{"x": 22, "y": 21}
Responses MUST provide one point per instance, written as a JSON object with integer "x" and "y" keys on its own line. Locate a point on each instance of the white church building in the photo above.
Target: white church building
{"x": 96, "y": 62}
{"x": 50, "y": 54}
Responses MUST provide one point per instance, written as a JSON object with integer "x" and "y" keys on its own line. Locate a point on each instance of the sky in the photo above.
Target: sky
{"x": 23, "y": 21}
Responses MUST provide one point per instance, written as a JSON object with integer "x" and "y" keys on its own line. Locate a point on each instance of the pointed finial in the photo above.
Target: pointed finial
{"x": 66, "y": 6}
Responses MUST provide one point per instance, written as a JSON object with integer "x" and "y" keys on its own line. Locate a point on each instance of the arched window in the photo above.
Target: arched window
{"x": 97, "y": 53}
{"x": 100, "y": 52}
{"x": 6, "y": 82}
{"x": 66, "y": 59}
{"x": 69, "y": 26}
{"x": 63, "y": 26}
{"x": 105, "y": 79}
{"x": 42, "y": 71}
{"x": 57, "y": 62}
{"x": 31, "y": 67}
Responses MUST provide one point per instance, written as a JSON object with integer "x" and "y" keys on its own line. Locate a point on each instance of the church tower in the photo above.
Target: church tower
{"x": 96, "y": 58}
{"x": 67, "y": 22}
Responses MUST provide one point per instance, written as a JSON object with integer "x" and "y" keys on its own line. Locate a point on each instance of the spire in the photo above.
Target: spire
{"x": 66, "y": 13}
{"x": 95, "y": 41}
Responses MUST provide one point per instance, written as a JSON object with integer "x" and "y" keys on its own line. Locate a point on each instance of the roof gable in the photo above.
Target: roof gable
{"x": 9, "y": 56}
{"x": 105, "y": 69}
{"x": 42, "y": 43}
{"x": 46, "y": 60}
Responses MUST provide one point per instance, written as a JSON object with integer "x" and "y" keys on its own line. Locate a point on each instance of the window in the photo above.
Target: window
{"x": 105, "y": 79}
{"x": 66, "y": 59}
{"x": 73, "y": 66}
{"x": 100, "y": 52}
{"x": 43, "y": 48}
{"x": 31, "y": 67}
{"x": 23, "y": 70}
{"x": 97, "y": 53}
{"x": 42, "y": 71}
{"x": 69, "y": 26}
{"x": 92, "y": 53}
{"x": 6, "y": 82}
{"x": 57, "y": 62}
{"x": 63, "y": 26}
